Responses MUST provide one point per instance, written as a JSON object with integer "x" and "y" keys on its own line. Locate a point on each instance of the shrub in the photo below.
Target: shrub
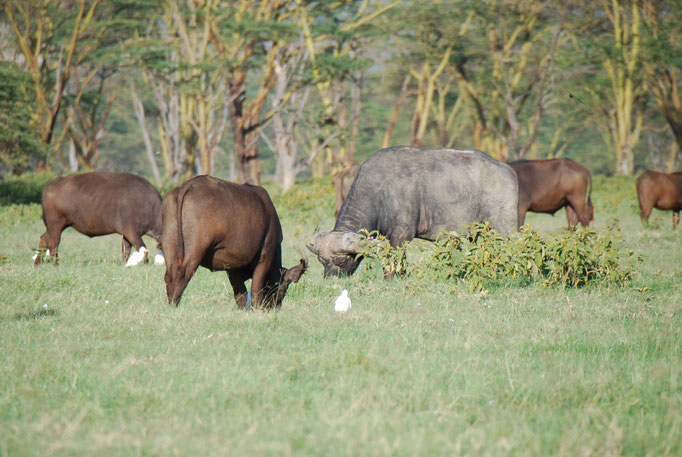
{"x": 27, "y": 188}
{"x": 376, "y": 247}
{"x": 481, "y": 257}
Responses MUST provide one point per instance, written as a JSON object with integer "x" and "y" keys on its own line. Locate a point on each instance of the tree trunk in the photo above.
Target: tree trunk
{"x": 286, "y": 168}
{"x": 253, "y": 162}
{"x": 396, "y": 111}
{"x": 73, "y": 158}
{"x": 356, "y": 107}
{"x": 139, "y": 113}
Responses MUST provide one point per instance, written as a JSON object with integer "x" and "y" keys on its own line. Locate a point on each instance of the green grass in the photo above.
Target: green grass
{"x": 415, "y": 368}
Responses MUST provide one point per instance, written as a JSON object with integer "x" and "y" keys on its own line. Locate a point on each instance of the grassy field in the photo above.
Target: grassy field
{"x": 416, "y": 367}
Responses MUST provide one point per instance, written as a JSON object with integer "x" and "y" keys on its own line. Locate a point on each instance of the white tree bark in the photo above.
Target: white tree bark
{"x": 139, "y": 113}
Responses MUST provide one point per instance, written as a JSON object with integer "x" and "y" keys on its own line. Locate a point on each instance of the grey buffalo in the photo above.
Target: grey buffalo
{"x": 408, "y": 192}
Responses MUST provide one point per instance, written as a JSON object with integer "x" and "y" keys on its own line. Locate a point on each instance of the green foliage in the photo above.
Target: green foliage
{"x": 27, "y": 188}
{"x": 376, "y": 248}
{"x": 19, "y": 129}
{"x": 481, "y": 257}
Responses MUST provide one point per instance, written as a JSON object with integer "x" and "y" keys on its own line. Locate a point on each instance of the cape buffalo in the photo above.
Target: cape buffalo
{"x": 407, "y": 192}
{"x": 100, "y": 204}
{"x": 661, "y": 191}
{"x": 226, "y": 226}
{"x": 546, "y": 186}
{"x": 342, "y": 182}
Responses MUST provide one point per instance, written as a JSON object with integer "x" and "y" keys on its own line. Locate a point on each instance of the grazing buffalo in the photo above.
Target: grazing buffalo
{"x": 408, "y": 192}
{"x": 100, "y": 204}
{"x": 546, "y": 186}
{"x": 342, "y": 182}
{"x": 225, "y": 226}
{"x": 661, "y": 191}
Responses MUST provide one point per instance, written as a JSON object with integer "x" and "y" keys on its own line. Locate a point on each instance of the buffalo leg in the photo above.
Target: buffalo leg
{"x": 644, "y": 206}
{"x": 571, "y": 216}
{"x": 258, "y": 283}
{"x": 50, "y": 240}
{"x": 177, "y": 280}
{"x": 125, "y": 249}
{"x": 398, "y": 238}
{"x": 522, "y": 216}
{"x": 240, "y": 292}
{"x": 135, "y": 239}
{"x": 644, "y": 212}
{"x": 578, "y": 205}
{"x": 676, "y": 219}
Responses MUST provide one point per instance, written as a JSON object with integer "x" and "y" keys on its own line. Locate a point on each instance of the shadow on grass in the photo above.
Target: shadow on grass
{"x": 37, "y": 314}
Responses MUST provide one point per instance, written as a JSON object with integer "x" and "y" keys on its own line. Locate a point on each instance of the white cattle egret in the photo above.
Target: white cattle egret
{"x": 342, "y": 303}
{"x": 35, "y": 256}
{"x": 137, "y": 257}
{"x": 158, "y": 259}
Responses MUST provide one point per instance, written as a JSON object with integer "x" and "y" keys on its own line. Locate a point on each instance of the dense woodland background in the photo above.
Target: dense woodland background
{"x": 251, "y": 89}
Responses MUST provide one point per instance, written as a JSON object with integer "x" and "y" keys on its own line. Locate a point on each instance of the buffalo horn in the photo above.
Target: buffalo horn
{"x": 345, "y": 242}
{"x": 304, "y": 258}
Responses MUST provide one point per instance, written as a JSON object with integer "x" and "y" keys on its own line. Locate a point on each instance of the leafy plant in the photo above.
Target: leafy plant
{"x": 480, "y": 256}
{"x": 375, "y": 246}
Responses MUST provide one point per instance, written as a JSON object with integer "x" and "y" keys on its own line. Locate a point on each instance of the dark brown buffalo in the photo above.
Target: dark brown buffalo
{"x": 661, "y": 191}
{"x": 225, "y": 226}
{"x": 343, "y": 181}
{"x": 100, "y": 204}
{"x": 546, "y": 186}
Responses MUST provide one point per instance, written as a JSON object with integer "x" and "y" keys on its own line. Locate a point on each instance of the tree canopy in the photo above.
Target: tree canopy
{"x": 284, "y": 88}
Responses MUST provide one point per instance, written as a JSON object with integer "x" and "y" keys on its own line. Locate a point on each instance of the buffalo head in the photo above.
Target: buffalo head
{"x": 278, "y": 289}
{"x": 337, "y": 251}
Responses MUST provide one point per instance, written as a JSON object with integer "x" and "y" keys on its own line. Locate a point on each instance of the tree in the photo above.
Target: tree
{"x": 248, "y": 35}
{"x": 428, "y": 40}
{"x": 85, "y": 121}
{"x": 615, "y": 99}
{"x": 62, "y": 45}
{"x": 500, "y": 85}
{"x": 335, "y": 36}
{"x": 20, "y": 144}
{"x": 491, "y": 60}
{"x": 188, "y": 85}
{"x": 662, "y": 58}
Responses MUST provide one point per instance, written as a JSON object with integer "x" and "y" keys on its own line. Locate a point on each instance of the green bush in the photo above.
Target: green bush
{"x": 481, "y": 257}
{"x": 376, "y": 247}
{"x": 27, "y": 188}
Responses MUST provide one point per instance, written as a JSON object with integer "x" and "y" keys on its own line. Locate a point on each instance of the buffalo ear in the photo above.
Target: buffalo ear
{"x": 312, "y": 248}
{"x": 293, "y": 274}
